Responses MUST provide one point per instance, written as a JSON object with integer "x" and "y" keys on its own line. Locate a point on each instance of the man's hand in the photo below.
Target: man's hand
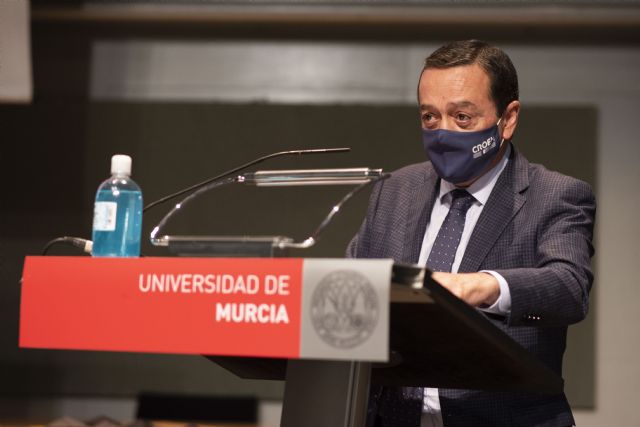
{"x": 476, "y": 289}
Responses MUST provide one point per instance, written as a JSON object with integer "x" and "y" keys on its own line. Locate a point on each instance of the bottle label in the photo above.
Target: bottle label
{"x": 104, "y": 216}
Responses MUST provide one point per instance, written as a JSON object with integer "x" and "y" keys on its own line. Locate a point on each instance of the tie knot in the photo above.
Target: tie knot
{"x": 461, "y": 200}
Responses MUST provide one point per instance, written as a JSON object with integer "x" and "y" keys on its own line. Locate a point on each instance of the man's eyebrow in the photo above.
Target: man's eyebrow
{"x": 451, "y": 105}
{"x": 462, "y": 104}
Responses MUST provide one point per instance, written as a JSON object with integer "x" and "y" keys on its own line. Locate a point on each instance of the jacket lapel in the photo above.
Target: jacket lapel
{"x": 419, "y": 212}
{"x": 506, "y": 199}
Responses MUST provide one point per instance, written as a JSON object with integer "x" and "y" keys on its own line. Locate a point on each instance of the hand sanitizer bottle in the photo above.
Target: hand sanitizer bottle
{"x": 117, "y": 215}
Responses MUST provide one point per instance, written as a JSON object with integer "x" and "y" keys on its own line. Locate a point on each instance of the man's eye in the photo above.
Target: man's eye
{"x": 428, "y": 117}
{"x": 462, "y": 117}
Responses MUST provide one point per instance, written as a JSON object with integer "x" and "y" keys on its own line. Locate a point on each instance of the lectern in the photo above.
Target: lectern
{"x": 434, "y": 339}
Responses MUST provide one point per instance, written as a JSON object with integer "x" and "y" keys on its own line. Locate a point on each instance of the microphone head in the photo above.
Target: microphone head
{"x": 325, "y": 150}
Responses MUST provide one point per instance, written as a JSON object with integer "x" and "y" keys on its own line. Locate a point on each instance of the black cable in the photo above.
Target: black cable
{"x": 77, "y": 242}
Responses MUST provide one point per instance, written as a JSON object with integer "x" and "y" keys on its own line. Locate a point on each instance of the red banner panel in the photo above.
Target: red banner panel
{"x": 238, "y": 307}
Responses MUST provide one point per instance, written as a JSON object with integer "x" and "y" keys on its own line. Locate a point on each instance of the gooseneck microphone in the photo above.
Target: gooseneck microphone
{"x": 244, "y": 166}
{"x": 361, "y": 177}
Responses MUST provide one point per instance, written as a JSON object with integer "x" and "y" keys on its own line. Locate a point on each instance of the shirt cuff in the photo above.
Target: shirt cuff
{"x": 502, "y": 306}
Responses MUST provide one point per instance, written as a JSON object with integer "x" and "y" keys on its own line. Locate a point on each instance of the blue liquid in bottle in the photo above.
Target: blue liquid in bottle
{"x": 117, "y": 220}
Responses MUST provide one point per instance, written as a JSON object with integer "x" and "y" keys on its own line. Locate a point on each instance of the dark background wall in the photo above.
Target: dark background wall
{"x": 175, "y": 145}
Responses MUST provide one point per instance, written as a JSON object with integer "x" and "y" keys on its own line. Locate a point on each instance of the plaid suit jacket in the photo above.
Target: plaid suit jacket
{"x": 536, "y": 231}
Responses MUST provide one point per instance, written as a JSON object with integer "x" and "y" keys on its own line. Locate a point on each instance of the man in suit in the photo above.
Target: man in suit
{"x": 504, "y": 235}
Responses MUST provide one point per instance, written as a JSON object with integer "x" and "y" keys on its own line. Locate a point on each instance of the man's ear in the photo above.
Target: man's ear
{"x": 510, "y": 120}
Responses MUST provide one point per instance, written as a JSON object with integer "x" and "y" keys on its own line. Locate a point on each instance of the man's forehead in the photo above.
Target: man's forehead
{"x": 462, "y": 85}
{"x": 461, "y": 73}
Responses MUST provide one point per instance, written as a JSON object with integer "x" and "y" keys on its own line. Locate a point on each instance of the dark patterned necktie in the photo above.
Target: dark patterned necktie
{"x": 444, "y": 249}
{"x": 446, "y": 244}
{"x": 402, "y": 406}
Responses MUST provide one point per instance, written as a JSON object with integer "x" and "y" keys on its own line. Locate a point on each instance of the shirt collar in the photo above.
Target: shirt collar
{"x": 481, "y": 188}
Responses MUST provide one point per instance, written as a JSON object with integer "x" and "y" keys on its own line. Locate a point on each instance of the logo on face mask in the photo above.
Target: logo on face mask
{"x": 483, "y": 147}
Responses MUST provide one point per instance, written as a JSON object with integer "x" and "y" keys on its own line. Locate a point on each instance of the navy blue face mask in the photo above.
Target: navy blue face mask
{"x": 461, "y": 156}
